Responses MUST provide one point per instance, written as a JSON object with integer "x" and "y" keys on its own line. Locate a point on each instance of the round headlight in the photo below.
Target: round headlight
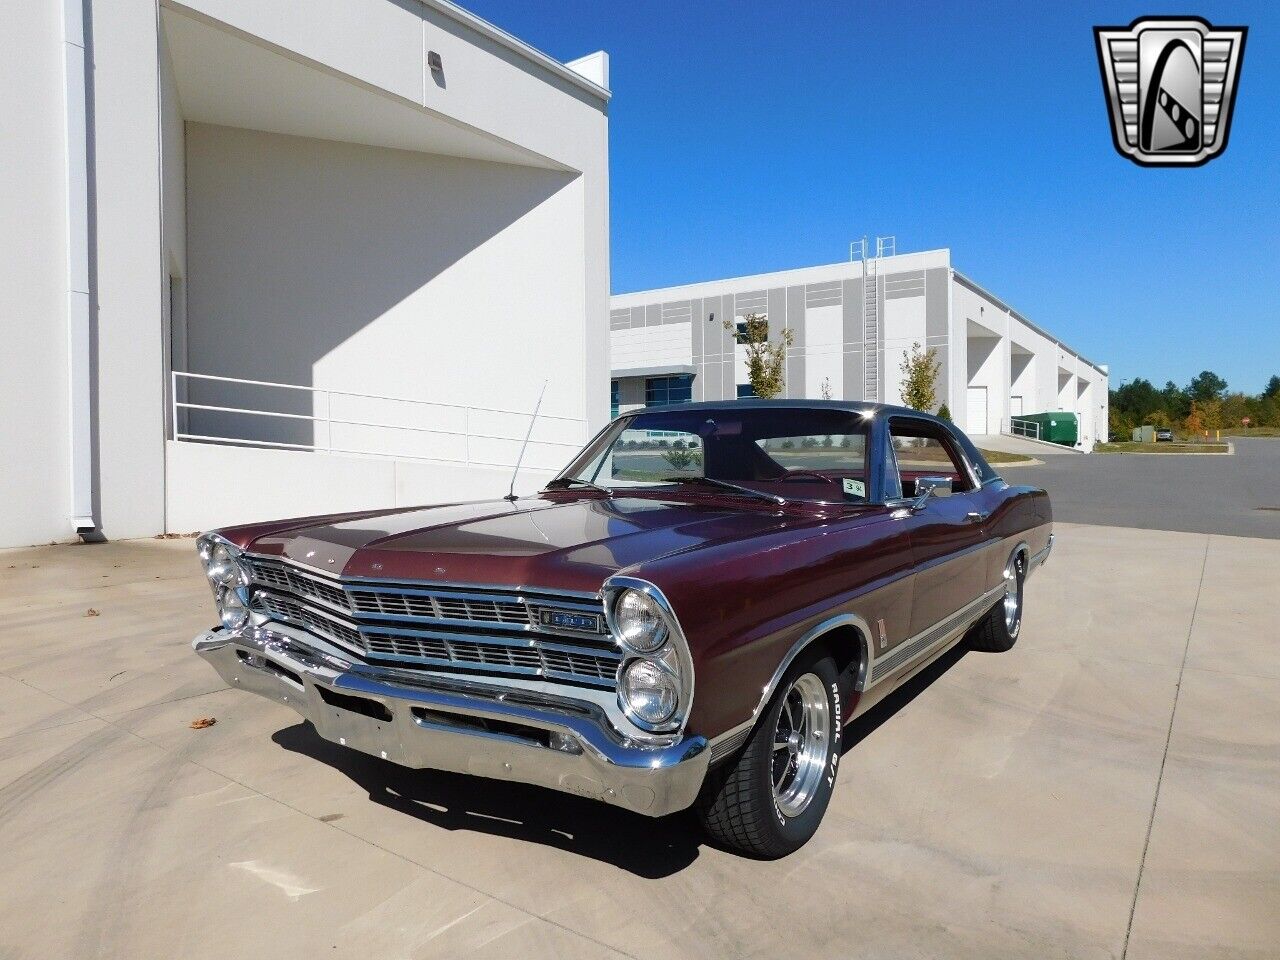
{"x": 650, "y": 691}
{"x": 232, "y": 610}
{"x": 641, "y": 625}
{"x": 221, "y": 566}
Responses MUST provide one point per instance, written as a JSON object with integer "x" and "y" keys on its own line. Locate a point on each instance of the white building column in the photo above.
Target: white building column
{"x": 79, "y": 346}
{"x": 130, "y": 270}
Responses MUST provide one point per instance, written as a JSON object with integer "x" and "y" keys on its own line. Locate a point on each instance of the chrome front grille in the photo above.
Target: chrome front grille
{"x": 287, "y": 578}
{"x": 440, "y": 606}
{"x": 531, "y": 658}
{"x": 445, "y": 628}
{"x": 400, "y": 605}
{"x": 578, "y": 664}
{"x": 285, "y": 608}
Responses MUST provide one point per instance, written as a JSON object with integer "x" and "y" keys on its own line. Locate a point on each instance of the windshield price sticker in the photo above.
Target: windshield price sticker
{"x": 853, "y": 488}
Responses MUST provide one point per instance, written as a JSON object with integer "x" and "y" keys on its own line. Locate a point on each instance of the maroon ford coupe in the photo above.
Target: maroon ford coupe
{"x": 687, "y": 615}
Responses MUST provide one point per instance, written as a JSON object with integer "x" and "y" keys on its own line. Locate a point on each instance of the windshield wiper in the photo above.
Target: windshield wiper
{"x": 780, "y": 501}
{"x": 562, "y": 483}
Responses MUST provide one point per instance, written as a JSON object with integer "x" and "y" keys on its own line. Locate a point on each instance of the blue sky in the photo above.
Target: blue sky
{"x": 748, "y": 137}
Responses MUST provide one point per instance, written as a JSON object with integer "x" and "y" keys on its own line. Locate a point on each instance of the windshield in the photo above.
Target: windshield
{"x": 789, "y": 452}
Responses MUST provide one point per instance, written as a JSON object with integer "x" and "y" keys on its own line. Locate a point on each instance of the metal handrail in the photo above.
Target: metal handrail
{"x": 1024, "y": 428}
{"x": 363, "y": 396}
{"x": 179, "y": 405}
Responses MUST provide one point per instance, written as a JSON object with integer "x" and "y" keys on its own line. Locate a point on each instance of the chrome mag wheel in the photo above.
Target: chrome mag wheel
{"x": 1014, "y": 576}
{"x": 800, "y": 743}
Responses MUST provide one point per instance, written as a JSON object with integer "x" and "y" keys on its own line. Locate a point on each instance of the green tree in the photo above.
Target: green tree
{"x": 1176, "y": 402}
{"x": 1235, "y": 407}
{"x": 1211, "y": 414}
{"x": 1207, "y": 386}
{"x": 1272, "y": 389}
{"x": 1120, "y": 423}
{"x": 766, "y": 360}
{"x": 1269, "y": 411}
{"x": 919, "y": 377}
{"x": 1137, "y": 399}
{"x": 944, "y": 413}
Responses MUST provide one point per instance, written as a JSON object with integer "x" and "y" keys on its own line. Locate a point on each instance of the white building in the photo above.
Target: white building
{"x": 850, "y": 337}
{"x": 389, "y": 208}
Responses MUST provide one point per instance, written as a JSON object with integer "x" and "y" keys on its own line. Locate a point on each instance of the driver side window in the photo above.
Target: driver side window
{"x": 923, "y": 450}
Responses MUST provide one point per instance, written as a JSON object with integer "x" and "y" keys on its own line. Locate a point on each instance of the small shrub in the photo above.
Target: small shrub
{"x": 682, "y": 459}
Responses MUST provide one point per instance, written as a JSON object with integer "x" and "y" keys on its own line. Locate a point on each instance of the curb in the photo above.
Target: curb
{"x": 1229, "y": 452}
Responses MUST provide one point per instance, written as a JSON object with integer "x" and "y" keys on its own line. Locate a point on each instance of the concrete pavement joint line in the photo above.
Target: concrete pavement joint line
{"x": 331, "y": 825}
{"x": 1233, "y": 673}
{"x": 400, "y": 856}
{"x": 462, "y": 883}
{"x": 1164, "y": 757}
{"x": 165, "y": 703}
{"x": 91, "y": 715}
{"x": 53, "y": 726}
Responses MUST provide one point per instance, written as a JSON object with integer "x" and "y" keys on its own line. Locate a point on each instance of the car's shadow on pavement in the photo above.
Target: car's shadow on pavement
{"x": 647, "y": 847}
{"x": 867, "y": 724}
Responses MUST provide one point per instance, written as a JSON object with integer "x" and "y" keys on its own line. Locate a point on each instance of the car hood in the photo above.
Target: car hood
{"x": 558, "y": 541}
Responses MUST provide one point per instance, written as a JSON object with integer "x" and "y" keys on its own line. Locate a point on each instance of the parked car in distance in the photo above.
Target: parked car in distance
{"x": 1164, "y": 435}
{"x": 687, "y": 616}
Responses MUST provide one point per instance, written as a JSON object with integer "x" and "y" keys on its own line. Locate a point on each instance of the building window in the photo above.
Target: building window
{"x": 746, "y": 390}
{"x": 613, "y": 399}
{"x": 740, "y": 327}
{"x": 663, "y": 391}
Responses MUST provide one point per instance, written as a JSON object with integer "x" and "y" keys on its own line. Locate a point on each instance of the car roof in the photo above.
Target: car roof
{"x": 755, "y": 403}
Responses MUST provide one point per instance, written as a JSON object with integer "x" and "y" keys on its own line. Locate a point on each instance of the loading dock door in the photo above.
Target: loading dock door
{"x": 976, "y": 420}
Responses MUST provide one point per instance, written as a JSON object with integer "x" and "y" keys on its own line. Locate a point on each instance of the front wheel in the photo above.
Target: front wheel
{"x": 769, "y": 802}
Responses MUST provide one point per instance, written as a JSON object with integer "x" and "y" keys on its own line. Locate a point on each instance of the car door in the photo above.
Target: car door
{"x": 946, "y": 532}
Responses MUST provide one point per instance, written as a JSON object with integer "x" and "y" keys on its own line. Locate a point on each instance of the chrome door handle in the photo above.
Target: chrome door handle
{"x": 973, "y": 516}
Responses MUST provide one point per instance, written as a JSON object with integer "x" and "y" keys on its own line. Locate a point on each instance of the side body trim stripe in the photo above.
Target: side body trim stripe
{"x": 873, "y": 670}
{"x": 925, "y": 641}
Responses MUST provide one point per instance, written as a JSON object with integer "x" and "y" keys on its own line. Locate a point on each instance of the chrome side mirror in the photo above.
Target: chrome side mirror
{"x": 927, "y": 487}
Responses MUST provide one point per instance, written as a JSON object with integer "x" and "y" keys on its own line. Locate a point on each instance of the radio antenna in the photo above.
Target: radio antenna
{"x": 511, "y": 493}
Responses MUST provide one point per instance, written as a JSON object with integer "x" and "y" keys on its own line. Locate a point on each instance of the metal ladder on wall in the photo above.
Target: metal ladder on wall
{"x": 885, "y": 247}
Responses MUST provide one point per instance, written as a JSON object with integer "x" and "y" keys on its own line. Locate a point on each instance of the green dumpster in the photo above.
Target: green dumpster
{"x": 1056, "y": 427}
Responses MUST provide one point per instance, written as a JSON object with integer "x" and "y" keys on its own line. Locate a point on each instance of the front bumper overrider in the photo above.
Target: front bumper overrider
{"x": 459, "y": 725}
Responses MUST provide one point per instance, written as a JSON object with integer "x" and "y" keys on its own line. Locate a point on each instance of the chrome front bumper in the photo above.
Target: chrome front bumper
{"x": 461, "y": 726}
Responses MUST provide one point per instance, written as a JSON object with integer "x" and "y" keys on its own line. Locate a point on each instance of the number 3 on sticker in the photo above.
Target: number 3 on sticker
{"x": 854, "y": 488}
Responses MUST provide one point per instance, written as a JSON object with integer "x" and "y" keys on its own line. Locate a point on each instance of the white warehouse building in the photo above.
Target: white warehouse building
{"x": 266, "y": 258}
{"x": 852, "y": 323}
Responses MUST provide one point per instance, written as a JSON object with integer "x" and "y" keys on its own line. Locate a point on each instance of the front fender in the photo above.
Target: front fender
{"x": 748, "y": 608}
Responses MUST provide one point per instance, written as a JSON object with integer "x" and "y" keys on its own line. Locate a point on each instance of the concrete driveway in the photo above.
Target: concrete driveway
{"x": 1110, "y": 788}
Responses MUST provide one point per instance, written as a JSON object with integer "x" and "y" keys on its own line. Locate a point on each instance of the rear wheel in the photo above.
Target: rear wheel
{"x": 998, "y": 630}
{"x": 770, "y": 800}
